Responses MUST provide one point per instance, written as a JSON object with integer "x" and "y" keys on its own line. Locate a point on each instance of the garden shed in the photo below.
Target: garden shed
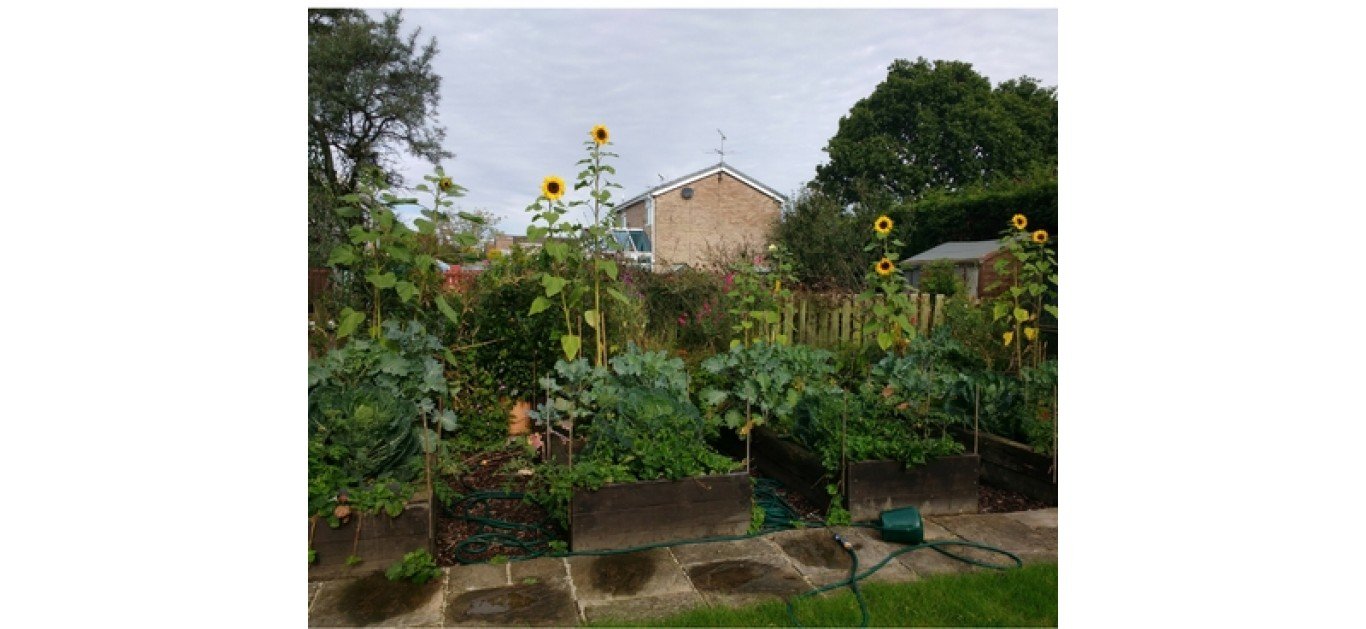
{"x": 974, "y": 262}
{"x": 715, "y": 211}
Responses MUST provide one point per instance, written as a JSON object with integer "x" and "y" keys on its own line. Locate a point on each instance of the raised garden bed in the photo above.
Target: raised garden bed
{"x": 379, "y": 541}
{"x": 944, "y": 486}
{"x": 651, "y": 512}
{"x": 1013, "y": 465}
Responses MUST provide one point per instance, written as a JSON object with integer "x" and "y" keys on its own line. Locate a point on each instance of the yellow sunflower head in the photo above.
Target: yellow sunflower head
{"x": 552, "y": 187}
{"x": 600, "y": 134}
{"x": 1040, "y": 236}
{"x": 884, "y": 267}
{"x": 883, "y": 225}
{"x": 444, "y": 184}
{"x": 1019, "y": 221}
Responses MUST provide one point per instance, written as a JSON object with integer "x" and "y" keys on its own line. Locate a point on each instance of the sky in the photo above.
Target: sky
{"x": 521, "y": 88}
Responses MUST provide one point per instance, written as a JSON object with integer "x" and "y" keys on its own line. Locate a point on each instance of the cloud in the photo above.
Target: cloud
{"x": 521, "y": 88}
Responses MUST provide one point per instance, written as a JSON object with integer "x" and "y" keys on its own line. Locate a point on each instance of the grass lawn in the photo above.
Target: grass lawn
{"x": 1023, "y": 597}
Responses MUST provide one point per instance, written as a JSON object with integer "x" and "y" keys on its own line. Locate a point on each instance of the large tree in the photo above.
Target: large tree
{"x": 372, "y": 94}
{"x": 938, "y": 126}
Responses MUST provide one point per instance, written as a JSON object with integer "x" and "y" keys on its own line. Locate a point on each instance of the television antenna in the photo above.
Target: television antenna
{"x": 721, "y": 151}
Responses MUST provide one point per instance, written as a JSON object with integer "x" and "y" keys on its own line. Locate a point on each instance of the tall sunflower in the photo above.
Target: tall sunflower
{"x": 600, "y": 134}
{"x": 444, "y": 184}
{"x": 1040, "y": 236}
{"x": 884, "y": 267}
{"x": 1019, "y": 221}
{"x": 883, "y": 225}
{"x": 552, "y": 187}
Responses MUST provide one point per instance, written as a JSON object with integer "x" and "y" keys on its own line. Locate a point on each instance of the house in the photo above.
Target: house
{"x": 691, "y": 220}
{"x": 974, "y": 262}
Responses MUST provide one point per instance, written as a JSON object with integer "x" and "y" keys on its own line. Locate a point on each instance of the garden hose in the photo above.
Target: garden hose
{"x": 779, "y": 515}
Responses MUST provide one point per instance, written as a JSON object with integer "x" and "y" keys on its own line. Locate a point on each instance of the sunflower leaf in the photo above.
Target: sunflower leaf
{"x": 570, "y": 343}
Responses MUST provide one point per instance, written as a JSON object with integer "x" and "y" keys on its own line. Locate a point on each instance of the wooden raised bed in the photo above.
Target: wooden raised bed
{"x": 382, "y": 540}
{"x": 944, "y": 486}
{"x": 651, "y": 512}
{"x": 1013, "y": 465}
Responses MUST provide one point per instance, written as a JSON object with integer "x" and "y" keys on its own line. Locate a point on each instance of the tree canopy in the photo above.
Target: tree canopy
{"x": 938, "y": 126}
{"x": 372, "y": 94}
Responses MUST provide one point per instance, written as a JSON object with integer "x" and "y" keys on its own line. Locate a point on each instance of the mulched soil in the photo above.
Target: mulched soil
{"x": 487, "y": 474}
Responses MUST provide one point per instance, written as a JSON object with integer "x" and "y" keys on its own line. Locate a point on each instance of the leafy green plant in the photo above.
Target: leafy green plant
{"x": 755, "y": 296}
{"x": 836, "y": 515}
{"x": 353, "y": 560}
{"x": 764, "y": 378}
{"x": 402, "y": 266}
{"x": 312, "y": 556}
{"x": 1031, "y": 270}
{"x": 892, "y": 313}
{"x": 579, "y": 274}
{"x": 756, "y": 518}
{"x": 369, "y": 402}
{"x": 643, "y": 426}
{"x": 418, "y": 567}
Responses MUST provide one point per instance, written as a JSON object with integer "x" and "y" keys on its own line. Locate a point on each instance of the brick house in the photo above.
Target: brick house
{"x": 716, "y": 210}
{"x": 974, "y": 262}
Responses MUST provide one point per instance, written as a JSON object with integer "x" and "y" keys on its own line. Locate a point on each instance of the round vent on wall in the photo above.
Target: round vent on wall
{"x": 687, "y": 193}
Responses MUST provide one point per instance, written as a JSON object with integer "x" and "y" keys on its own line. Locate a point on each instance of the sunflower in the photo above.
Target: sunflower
{"x": 444, "y": 184}
{"x": 552, "y": 187}
{"x": 1019, "y": 221}
{"x": 1040, "y": 236}
{"x": 883, "y": 225}
{"x": 884, "y": 267}
{"x": 600, "y": 134}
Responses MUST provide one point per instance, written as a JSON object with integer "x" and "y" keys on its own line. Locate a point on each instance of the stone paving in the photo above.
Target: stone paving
{"x": 664, "y": 581}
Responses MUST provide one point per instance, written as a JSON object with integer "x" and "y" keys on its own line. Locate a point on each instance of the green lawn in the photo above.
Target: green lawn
{"x": 1023, "y": 597}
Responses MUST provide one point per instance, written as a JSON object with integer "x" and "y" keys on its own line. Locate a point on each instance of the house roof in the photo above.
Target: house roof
{"x": 954, "y": 251}
{"x": 710, "y": 170}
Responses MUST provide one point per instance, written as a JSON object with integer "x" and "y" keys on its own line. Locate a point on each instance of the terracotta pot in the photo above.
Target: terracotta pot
{"x": 519, "y": 420}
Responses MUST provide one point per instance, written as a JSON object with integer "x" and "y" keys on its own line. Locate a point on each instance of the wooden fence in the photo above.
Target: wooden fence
{"x": 830, "y": 320}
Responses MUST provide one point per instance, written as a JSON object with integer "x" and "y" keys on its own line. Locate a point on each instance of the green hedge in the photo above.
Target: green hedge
{"x": 978, "y": 213}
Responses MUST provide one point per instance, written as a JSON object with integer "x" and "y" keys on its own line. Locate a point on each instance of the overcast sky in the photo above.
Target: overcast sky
{"x": 521, "y": 88}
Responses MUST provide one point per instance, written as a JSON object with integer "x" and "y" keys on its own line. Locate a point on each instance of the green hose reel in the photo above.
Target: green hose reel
{"x": 903, "y": 525}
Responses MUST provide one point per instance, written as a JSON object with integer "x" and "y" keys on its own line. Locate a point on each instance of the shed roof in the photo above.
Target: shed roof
{"x": 954, "y": 251}
{"x": 691, "y": 177}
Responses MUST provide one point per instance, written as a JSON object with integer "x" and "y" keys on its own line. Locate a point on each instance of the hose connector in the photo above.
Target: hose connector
{"x": 843, "y": 542}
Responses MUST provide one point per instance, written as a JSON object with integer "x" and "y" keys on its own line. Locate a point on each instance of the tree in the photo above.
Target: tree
{"x": 372, "y": 94}
{"x": 937, "y": 126}
{"x": 813, "y": 225}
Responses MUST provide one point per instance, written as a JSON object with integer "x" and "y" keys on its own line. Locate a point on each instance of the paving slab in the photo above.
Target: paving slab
{"x": 643, "y": 608}
{"x": 540, "y": 570}
{"x": 313, "y": 587}
{"x": 377, "y": 601}
{"x": 536, "y": 605}
{"x": 689, "y": 554}
{"x": 640, "y": 574}
{"x": 871, "y": 549}
{"x": 1002, "y": 531}
{"x": 732, "y": 582}
{"x": 1039, "y": 518}
{"x": 480, "y": 576}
